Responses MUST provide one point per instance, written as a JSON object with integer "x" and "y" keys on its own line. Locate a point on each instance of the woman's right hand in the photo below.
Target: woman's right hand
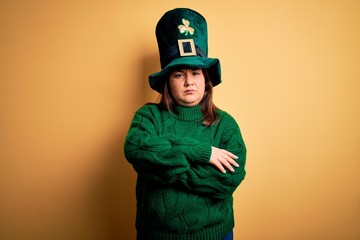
{"x": 222, "y": 159}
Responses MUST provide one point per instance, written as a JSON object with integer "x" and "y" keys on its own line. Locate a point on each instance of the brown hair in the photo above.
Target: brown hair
{"x": 207, "y": 106}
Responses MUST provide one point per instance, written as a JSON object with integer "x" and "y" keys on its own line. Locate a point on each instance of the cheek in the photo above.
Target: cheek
{"x": 202, "y": 92}
{"x": 201, "y": 86}
{"x": 174, "y": 87}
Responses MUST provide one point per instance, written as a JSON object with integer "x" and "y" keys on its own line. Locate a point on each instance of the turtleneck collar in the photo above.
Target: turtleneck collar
{"x": 188, "y": 113}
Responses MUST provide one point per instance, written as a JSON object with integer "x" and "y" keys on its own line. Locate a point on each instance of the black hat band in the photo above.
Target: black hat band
{"x": 184, "y": 48}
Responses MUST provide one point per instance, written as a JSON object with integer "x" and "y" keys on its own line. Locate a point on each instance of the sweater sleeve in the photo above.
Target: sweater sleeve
{"x": 205, "y": 179}
{"x": 160, "y": 157}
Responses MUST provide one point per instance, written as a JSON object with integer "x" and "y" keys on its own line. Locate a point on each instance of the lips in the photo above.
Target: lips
{"x": 189, "y": 91}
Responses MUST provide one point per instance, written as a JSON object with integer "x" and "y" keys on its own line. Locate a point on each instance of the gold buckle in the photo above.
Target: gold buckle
{"x": 187, "y": 47}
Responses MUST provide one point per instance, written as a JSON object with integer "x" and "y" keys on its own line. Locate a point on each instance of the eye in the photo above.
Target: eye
{"x": 196, "y": 72}
{"x": 176, "y": 75}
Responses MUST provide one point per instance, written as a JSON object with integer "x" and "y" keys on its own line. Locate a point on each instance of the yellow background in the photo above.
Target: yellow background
{"x": 72, "y": 73}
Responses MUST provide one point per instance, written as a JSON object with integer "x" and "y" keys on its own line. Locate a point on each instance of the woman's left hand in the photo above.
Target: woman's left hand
{"x": 222, "y": 159}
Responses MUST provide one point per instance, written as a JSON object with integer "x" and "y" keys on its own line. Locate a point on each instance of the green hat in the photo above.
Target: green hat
{"x": 182, "y": 39}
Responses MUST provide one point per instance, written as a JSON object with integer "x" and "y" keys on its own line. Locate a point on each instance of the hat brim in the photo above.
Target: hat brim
{"x": 158, "y": 79}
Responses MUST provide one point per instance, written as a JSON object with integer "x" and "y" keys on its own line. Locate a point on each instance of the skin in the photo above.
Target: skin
{"x": 188, "y": 89}
{"x": 187, "y": 86}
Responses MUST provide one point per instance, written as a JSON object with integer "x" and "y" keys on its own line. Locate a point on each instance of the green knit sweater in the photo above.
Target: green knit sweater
{"x": 180, "y": 195}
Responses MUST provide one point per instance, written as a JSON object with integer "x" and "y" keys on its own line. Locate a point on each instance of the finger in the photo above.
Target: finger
{"x": 228, "y": 159}
{"x": 220, "y": 166}
{"x": 230, "y": 154}
{"x": 225, "y": 162}
{"x": 234, "y": 163}
{"x": 228, "y": 166}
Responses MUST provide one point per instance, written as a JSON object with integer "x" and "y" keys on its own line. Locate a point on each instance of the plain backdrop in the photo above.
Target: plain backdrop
{"x": 72, "y": 74}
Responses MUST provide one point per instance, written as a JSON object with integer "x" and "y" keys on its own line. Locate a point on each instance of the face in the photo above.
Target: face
{"x": 187, "y": 86}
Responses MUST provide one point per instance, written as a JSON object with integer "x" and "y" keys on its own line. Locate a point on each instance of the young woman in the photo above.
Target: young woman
{"x": 188, "y": 154}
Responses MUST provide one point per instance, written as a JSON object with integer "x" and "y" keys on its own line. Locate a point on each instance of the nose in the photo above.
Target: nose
{"x": 188, "y": 80}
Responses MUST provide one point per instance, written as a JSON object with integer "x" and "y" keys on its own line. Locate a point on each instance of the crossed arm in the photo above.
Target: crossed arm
{"x": 185, "y": 161}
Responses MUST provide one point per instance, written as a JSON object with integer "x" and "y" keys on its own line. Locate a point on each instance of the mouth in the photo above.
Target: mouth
{"x": 189, "y": 91}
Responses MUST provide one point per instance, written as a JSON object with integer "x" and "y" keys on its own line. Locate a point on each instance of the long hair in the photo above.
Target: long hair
{"x": 207, "y": 107}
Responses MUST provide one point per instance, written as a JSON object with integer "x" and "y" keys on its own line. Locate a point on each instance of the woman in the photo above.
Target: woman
{"x": 188, "y": 154}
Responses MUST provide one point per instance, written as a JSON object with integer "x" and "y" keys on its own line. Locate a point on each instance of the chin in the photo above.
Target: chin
{"x": 192, "y": 104}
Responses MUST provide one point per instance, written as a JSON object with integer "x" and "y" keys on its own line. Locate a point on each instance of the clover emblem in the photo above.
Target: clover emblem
{"x": 185, "y": 27}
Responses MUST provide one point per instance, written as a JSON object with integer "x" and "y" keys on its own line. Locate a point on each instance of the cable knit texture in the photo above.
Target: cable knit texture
{"x": 180, "y": 195}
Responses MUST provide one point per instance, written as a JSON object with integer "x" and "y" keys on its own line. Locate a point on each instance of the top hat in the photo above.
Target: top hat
{"x": 182, "y": 40}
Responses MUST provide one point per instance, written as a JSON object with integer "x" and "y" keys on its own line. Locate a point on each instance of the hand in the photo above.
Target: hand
{"x": 221, "y": 158}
